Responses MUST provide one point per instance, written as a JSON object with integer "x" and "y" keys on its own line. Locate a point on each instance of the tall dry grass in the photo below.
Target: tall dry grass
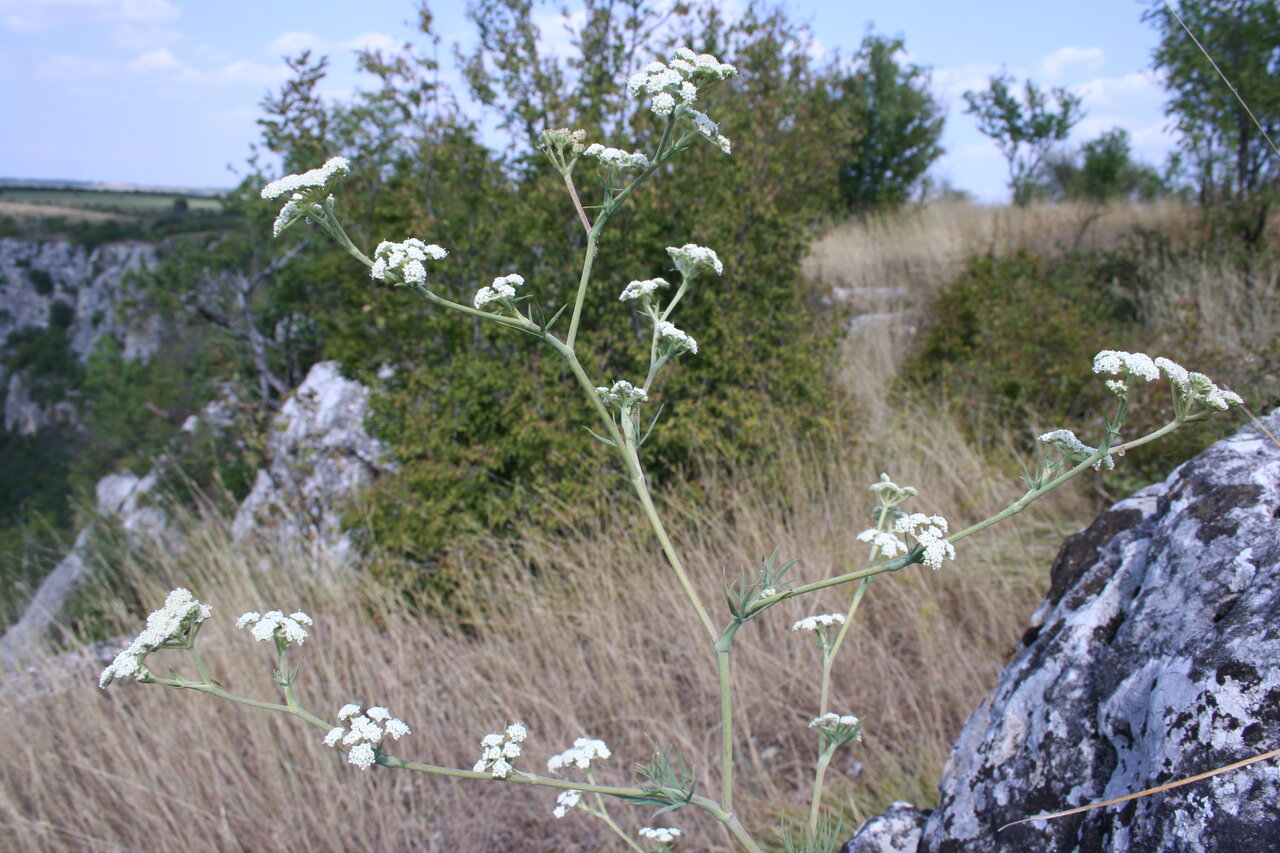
{"x": 584, "y": 634}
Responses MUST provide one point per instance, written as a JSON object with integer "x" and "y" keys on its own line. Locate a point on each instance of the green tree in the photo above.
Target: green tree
{"x": 1024, "y": 128}
{"x": 896, "y": 125}
{"x": 1103, "y": 170}
{"x": 1232, "y": 165}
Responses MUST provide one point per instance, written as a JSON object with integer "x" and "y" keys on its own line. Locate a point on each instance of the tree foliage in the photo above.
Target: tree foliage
{"x": 1024, "y": 127}
{"x": 896, "y": 125}
{"x": 1103, "y": 170}
{"x": 1234, "y": 169}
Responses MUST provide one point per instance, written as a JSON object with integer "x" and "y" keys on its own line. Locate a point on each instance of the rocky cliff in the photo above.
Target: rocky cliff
{"x": 1154, "y": 657}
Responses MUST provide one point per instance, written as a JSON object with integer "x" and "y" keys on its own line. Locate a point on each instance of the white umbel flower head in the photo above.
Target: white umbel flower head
{"x": 928, "y": 531}
{"x": 406, "y": 259}
{"x": 673, "y": 86}
{"x": 566, "y": 800}
{"x": 675, "y": 341}
{"x": 1074, "y": 449}
{"x": 639, "y": 290}
{"x": 306, "y": 193}
{"x": 172, "y": 624}
{"x": 662, "y": 834}
{"x": 841, "y": 728}
{"x": 616, "y": 158}
{"x": 364, "y": 733}
{"x": 622, "y": 395}
{"x": 889, "y": 546}
{"x": 497, "y": 750}
{"x": 890, "y": 493}
{"x": 814, "y": 623}
{"x": 584, "y": 751}
{"x": 274, "y": 624}
{"x": 1133, "y": 363}
{"x": 503, "y": 288}
{"x": 693, "y": 260}
{"x": 1195, "y": 395}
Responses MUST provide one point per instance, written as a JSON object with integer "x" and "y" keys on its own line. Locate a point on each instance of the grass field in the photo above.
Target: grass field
{"x": 597, "y": 639}
{"x": 102, "y": 201}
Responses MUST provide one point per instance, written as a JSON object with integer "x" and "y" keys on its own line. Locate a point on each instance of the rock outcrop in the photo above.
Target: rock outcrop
{"x": 319, "y": 456}
{"x": 1154, "y": 657}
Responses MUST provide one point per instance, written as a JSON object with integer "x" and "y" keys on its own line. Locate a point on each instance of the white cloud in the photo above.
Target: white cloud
{"x": 131, "y": 23}
{"x": 1129, "y": 90}
{"x": 244, "y": 71}
{"x": 1058, "y": 64}
{"x": 374, "y": 41}
{"x": 294, "y": 43}
{"x": 952, "y": 83}
{"x": 75, "y": 69}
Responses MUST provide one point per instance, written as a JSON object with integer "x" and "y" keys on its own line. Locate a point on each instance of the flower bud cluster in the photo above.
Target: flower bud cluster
{"x": 889, "y": 546}
{"x": 839, "y": 728}
{"x": 171, "y": 623}
{"x": 890, "y": 493}
{"x": 675, "y": 340}
{"x": 1195, "y": 395}
{"x": 274, "y": 624}
{"x": 623, "y": 395}
{"x": 584, "y": 751}
{"x": 566, "y": 800}
{"x": 499, "y": 749}
{"x": 640, "y": 290}
{"x": 928, "y": 530}
{"x": 693, "y": 260}
{"x": 563, "y": 141}
{"x": 307, "y": 192}
{"x": 503, "y": 287}
{"x": 1074, "y": 449}
{"x": 662, "y": 834}
{"x": 616, "y": 158}
{"x": 365, "y": 734}
{"x": 405, "y": 259}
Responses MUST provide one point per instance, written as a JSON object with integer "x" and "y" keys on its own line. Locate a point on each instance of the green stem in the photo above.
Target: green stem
{"x": 580, "y": 299}
{"x": 724, "y": 646}
{"x": 204, "y": 687}
{"x": 823, "y": 760}
{"x": 603, "y": 815}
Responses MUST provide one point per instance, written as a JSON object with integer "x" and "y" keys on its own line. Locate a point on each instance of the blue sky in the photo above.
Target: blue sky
{"x": 165, "y": 92}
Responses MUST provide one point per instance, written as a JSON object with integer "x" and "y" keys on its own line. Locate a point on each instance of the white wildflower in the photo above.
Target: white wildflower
{"x": 1133, "y": 363}
{"x": 663, "y": 835}
{"x": 770, "y": 592}
{"x": 320, "y": 178}
{"x": 890, "y": 546}
{"x": 680, "y": 341}
{"x": 616, "y": 158}
{"x": 173, "y": 622}
{"x": 406, "y": 259}
{"x": 692, "y": 260}
{"x": 1074, "y": 449}
{"x": 274, "y": 623}
{"x": 348, "y": 711}
{"x": 623, "y": 394}
{"x": 584, "y": 751}
{"x": 364, "y": 733}
{"x": 503, "y": 287}
{"x": 566, "y": 800}
{"x": 928, "y": 531}
{"x": 334, "y": 735}
{"x": 1194, "y": 393}
{"x": 497, "y": 748}
{"x": 813, "y": 623}
{"x": 641, "y": 289}
{"x": 831, "y": 720}
{"x": 890, "y": 493}
{"x": 361, "y": 755}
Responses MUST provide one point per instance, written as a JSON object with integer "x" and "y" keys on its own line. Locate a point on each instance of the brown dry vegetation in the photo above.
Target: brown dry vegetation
{"x": 596, "y": 640}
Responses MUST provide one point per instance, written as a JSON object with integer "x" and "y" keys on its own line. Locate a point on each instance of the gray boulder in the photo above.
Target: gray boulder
{"x": 1154, "y": 657}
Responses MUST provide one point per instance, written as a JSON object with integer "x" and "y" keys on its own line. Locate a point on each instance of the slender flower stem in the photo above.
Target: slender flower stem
{"x": 724, "y": 647}
{"x": 580, "y": 299}
{"x": 823, "y": 760}
{"x": 577, "y": 203}
{"x": 603, "y": 814}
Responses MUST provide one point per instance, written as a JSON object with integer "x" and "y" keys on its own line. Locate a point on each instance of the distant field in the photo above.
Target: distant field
{"x": 31, "y": 199}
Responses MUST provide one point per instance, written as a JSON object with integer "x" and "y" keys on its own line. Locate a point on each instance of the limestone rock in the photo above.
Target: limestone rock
{"x": 1155, "y": 656}
{"x": 319, "y": 457}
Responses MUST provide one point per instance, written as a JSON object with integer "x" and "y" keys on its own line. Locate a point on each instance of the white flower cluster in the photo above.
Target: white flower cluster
{"x": 675, "y": 83}
{"x": 890, "y": 493}
{"x": 1196, "y": 388}
{"x": 680, "y": 341}
{"x": 641, "y": 289}
{"x": 563, "y": 139}
{"x": 503, "y": 287}
{"x": 406, "y": 259}
{"x": 830, "y": 720}
{"x": 813, "y": 623}
{"x": 566, "y": 800}
{"x": 584, "y": 751}
{"x": 366, "y": 732}
{"x": 691, "y": 260}
{"x": 890, "y": 546}
{"x": 1074, "y": 449}
{"x": 1133, "y": 363}
{"x": 928, "y": 530}
{"x": 662, "y": 834}
{"x": 180, "y": 613}
{"x": 623, "y": 394}
{"x": 306, "y": 191}
{"x": 274, "y": 623}
{"x": 616, "y": 158}
{"x": 498, "y": 749}
{"x": 320, "y": 178}
{"x": 709, "y": 129}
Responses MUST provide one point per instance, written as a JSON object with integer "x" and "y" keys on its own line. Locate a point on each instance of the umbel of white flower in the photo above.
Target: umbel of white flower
{"x": 503, "y": 288}
{"x": 928, "y": 531}
{"x": 673, "y": 87}
{"x": 499, "y": 749}
{"x": 661, "y": 834}
{"x": 815, "y": 623}
{"x": 623, "y": 395}
{"x": 639, "y": 290}
{"x": 566, "y": 800}
{"x": 274, "y": 624}
{"x": 616, "y": 158}
{"x": 1065, "y": 441}
{"x": 1195, "y": 395}
{"x": 693, "y": 260}
{"x": 365, "y": 733}
{"x": 307, "y": 193}
{"x": 405, "y": 260}
{"x": 171, "y": 624}
{"x": 674, "y": 340}
{"x": 584, "y": 751}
